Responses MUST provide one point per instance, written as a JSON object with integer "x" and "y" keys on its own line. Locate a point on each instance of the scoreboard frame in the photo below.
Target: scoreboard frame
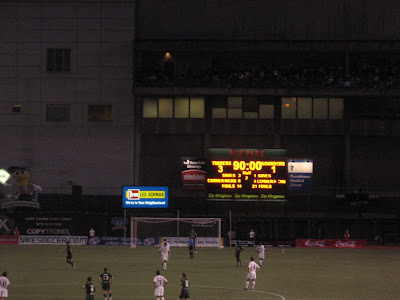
{"x": 246, "y": 174}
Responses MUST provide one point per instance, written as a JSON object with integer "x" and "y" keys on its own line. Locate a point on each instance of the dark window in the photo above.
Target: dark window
{"x": 58, "y": 60}
{"x": 100, "y": 113}
{"x": 58, "y": 112}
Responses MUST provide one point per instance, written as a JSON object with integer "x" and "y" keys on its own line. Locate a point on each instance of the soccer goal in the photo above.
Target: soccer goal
{"x": 176, "y": 231}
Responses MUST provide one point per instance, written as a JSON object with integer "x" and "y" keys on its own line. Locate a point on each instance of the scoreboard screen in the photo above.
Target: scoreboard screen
{"x": 247, "y": 174}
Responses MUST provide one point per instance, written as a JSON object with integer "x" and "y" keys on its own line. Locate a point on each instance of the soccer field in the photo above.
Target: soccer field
{"x": 40, "y": 272}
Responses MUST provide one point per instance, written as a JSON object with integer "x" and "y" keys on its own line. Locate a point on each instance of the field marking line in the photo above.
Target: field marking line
{"x": 130, "y": 283}
{"x": 237, "y": 289}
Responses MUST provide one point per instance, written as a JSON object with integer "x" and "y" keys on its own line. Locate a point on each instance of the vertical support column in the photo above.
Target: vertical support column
{"x": 230, "y": 228}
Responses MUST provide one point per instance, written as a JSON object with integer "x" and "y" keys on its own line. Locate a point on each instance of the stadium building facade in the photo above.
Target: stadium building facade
{"x": 100, "y": 94}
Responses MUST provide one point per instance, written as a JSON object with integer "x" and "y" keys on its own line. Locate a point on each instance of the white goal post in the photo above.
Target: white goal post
{"x": 176, "y": 231}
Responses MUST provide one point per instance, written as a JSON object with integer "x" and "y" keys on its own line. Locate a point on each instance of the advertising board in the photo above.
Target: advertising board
{"x": 51, "y": 240}
{"x": 201, "y": 241}
{"x": 331, "y": 243}
{"x": 193, "y": 173}
{"x": 144, "y": 196}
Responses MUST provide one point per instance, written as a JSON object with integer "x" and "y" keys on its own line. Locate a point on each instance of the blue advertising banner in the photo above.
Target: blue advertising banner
{"x": 300, "y": 173}
{"x": 144, "y": 196}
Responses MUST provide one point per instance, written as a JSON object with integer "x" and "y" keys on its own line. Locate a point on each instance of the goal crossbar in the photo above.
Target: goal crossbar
{"x": 135, "y": 221}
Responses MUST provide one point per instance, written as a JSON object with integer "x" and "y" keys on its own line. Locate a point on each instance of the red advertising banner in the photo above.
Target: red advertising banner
{"x": 8, "y": 239}
{"x": 331, "y": 243}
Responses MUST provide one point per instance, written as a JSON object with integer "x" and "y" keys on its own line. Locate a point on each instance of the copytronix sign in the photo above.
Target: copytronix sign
{"x": 144, "y": 196}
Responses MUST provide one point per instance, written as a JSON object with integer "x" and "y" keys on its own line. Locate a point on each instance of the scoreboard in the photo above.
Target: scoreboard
{"x": 247, "y": 174}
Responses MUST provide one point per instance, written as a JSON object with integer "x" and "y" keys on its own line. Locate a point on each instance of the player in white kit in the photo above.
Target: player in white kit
{"x": 159, "y": 283}
{"x": 4, "y": 284}
{"x": 252, "y": 273}
{"x": 164, "y": 250}
{"x": 261, "y": 253}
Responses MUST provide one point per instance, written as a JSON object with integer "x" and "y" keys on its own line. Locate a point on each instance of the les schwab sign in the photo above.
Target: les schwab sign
{"x": 144, "y": 196}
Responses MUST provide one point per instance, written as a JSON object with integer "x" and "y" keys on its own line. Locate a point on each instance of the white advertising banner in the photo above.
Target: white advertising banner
{"x": 51, "y": 240}
{"x": 184, "y": 241}
{"x": 300, "y": 173}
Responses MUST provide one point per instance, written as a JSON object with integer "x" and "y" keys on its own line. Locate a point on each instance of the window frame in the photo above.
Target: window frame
{"x": 58, "y": 60}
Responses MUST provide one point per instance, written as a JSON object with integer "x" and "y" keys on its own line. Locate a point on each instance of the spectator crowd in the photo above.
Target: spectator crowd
{"x": 366, "y": 75}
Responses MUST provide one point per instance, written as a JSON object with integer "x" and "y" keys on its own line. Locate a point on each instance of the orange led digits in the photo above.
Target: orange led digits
{"x": 246, "y": 174}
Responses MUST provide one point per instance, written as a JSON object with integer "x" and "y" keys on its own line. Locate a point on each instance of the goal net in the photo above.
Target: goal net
{"x": 176, "y": 231}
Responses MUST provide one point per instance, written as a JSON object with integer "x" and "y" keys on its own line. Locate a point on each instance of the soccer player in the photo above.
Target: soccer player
{"x": 191, "y": 247}
{"x": 164, "y": 250}
{"x": 165, "y": 242}
{"x": 239, "y": 250}
{"x": 184, "y": 287}
{"x": 69, "y": 259}
{"x": 106, "y": 280}
{"x": 347, "y": 235}
{"x": 252, "y": 234}
{"x": 261, "y": 253}
{"x": 252, "y": 273}
{"x": 90, "y": 289}
{"x": 159, "y": 283}
{"x": 193, "y": 236}
{"x": 4, "y": 284}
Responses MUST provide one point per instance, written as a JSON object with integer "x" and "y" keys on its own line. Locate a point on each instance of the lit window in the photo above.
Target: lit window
{"x": 320, "y": 108}
{"x": 304, "y": 108}
{"x": 235, "y": 107}
{"x": 181, "y": 108}
{"x": 250, "y": 115}
{"x": 150, "y": 108}
{"x": 100, "y": 113}
{"x": 197, "y": 108}
{"x": 266, "y": 111}
{"x": 336, "y": 108}
{"x": 16, "y": 108}
{"x": 165, "y": 108}
{"x": 219, "y": 113}
{"x": 289, "y": 108}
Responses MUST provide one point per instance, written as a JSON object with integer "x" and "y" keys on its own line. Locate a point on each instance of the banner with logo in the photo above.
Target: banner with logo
{"x": 193, "y": 173}
{"x": 243, "y": 243}
{"x": 120, "y": 241}
{"x": 300, "y": 174}
{"x": 51, "y": 240}
{"x": 47, "y": 225}
{"x": 8, "y": 239}
{"x": 201, "y": 241}
{"x": 330, "y": 243}
{"x": 6, "y": 225}
{"x": 144, "y": 196}
{"x": 269, "y": 244}
{"x": 118, "y": 224}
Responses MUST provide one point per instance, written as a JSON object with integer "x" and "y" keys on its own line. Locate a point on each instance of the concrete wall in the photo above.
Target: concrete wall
{"x": 268, "y": 19}
{"x": 96, "y": 155}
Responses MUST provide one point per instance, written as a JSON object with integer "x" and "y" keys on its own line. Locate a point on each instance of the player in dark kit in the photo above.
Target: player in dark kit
{"x": 69, "y": 259}
{"x": 193, "y": 236}
{"x": 191, "y": 247}
{"x": 239, "y": 250}
{"x": 184, "y": 287}
{"x": 106, "y": 279}
{"x": 90, "y": 289}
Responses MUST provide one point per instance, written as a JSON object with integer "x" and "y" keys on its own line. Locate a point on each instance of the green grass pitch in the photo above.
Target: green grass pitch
{"x": 40, "y": 272}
